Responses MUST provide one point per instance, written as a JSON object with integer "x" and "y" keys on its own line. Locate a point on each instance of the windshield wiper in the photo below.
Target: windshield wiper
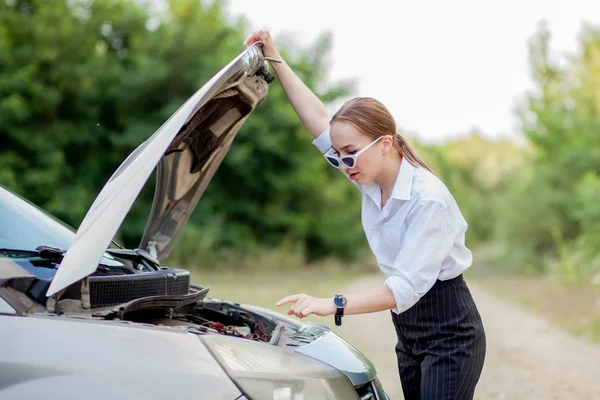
{"x": 137, "y": 255}
{"x": 46, "y": 252}
{"x": 50, "y": 252}
{"x": 19, "y": 252}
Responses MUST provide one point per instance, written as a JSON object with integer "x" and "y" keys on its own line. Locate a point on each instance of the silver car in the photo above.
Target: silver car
{"x": 97, "y": 321}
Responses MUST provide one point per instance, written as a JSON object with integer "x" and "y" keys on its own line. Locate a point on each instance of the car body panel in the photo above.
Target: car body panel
{"x": 334, "y": 351}
{"x": 5, "y": 308}
{"x": 12, "y": 268}
{"x": 184, "y": 172}
{"x": 144, "y": 362}
{"x": 328, "y": 348}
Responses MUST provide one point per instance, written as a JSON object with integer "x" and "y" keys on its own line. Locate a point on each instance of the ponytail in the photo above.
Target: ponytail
{"x": 406, "y": 151}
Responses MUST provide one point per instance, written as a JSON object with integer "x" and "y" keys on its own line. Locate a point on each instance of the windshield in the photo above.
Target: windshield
{"x": 24, "y": 226}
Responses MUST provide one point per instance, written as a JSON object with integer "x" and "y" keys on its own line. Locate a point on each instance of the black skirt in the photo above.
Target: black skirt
{"x": 441, "y": 344}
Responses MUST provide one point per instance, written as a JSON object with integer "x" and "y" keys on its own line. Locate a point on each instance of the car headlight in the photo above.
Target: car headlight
{"x": 264, "y": 371}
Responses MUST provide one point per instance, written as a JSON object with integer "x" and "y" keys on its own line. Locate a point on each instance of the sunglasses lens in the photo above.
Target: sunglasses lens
{"x": 348, "y": 162}
{"x": 333, "y": 161}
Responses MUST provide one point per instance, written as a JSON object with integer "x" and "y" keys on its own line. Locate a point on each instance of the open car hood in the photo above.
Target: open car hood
{"x": 188, "y": 149}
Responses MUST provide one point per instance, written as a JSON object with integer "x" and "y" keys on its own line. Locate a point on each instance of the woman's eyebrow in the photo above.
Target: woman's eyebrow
{"x": 346, "y": 147}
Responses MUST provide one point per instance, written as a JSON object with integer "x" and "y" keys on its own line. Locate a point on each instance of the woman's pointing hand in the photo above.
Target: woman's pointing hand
{"x": 303, "y": 305}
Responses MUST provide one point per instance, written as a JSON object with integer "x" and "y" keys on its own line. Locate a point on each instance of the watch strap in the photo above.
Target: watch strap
{"x": 338, "y": 320}
{"x": 339, "y": 312}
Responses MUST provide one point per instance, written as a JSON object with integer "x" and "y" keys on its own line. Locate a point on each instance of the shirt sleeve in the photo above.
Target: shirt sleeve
{"x": 323, "y": 142}
{"x": 425, "y": 245}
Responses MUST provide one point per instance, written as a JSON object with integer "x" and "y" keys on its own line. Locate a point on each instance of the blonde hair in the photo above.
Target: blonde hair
{"x": 373, "y": 119}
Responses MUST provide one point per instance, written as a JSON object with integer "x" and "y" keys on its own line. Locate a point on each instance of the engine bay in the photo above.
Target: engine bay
{"x": 158, "y": 296}
{"x": 214, "y": 316}
{"x": 208, "y": 316}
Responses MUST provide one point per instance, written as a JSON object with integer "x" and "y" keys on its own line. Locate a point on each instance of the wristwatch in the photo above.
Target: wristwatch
{"x": 340, "y": 302}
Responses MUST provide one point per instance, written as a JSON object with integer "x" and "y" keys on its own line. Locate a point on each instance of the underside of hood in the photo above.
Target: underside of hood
{"x": 188, "y": 149}
{"x": 189, "y": 163}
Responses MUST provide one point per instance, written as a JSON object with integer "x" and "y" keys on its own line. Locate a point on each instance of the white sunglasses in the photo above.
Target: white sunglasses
{"x": 348, "y": 161}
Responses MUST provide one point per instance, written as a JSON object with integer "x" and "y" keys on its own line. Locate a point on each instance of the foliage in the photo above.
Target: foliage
{"x": 478, "y": 171}
{"x": 83, "y": 82}
{"x": 558, "y": 212}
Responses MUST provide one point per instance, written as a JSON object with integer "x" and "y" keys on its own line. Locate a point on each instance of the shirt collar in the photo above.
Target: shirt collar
{"x": 402, "y": 187}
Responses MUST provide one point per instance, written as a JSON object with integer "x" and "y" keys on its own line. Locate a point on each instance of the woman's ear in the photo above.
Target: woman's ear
{"x": 388, "y": 144}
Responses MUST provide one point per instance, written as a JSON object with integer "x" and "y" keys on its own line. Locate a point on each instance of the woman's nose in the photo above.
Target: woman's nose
{"x": 343, "y": 167}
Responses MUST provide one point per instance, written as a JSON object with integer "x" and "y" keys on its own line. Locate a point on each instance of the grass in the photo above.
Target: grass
{"x": 264, "y": 280}
{"x": 573, "y": 306}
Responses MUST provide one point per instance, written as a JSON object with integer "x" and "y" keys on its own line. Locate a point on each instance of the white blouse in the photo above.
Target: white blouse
{"x": 418, "y": 237}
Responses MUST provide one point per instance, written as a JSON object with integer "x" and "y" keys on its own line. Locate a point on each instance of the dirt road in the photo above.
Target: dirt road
{"x": 527, "y": 357}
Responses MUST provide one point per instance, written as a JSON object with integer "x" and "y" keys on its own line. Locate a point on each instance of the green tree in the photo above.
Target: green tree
{"x": 561, "y": 120}
{"x": 83, "y": 82}
{"x": 478, "y": 172}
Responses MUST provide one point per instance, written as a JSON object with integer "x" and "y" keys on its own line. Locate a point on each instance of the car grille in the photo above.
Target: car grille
{"x": 371, "y": 391}
{"x": 111, "y": 290}
{"x": 366, "y": 392}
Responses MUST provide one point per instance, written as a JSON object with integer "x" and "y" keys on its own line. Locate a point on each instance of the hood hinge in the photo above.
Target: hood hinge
{"x": 71, "y": 306}
{"x": 152, "y": 248}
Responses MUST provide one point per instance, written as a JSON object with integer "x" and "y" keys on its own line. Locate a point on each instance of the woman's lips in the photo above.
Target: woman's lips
{"x": 353, "y": 176}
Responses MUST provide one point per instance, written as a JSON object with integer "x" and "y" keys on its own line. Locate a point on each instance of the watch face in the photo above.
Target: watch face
{"x": 339, "y": 301}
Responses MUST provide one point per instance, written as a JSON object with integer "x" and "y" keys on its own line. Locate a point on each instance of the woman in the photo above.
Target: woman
{"x": 417, "y": 233}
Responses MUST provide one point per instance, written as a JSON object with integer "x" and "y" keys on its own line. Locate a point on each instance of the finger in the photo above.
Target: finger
{"x": 264, "y": 35}
{"x": 289, "y": 299}
{"x": 252, "y": 38}
{"x": 250, "y": 41}
{"x": 298, "y": 306}
{"x": 307, "y": 311}
{"x": 297, "y": 309}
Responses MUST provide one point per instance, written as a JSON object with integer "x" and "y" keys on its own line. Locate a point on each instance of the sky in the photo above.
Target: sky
{"x": 443, "y": 68}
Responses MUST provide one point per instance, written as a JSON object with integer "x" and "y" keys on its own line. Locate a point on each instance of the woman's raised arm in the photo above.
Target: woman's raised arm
{"x": 311, "y": 110}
